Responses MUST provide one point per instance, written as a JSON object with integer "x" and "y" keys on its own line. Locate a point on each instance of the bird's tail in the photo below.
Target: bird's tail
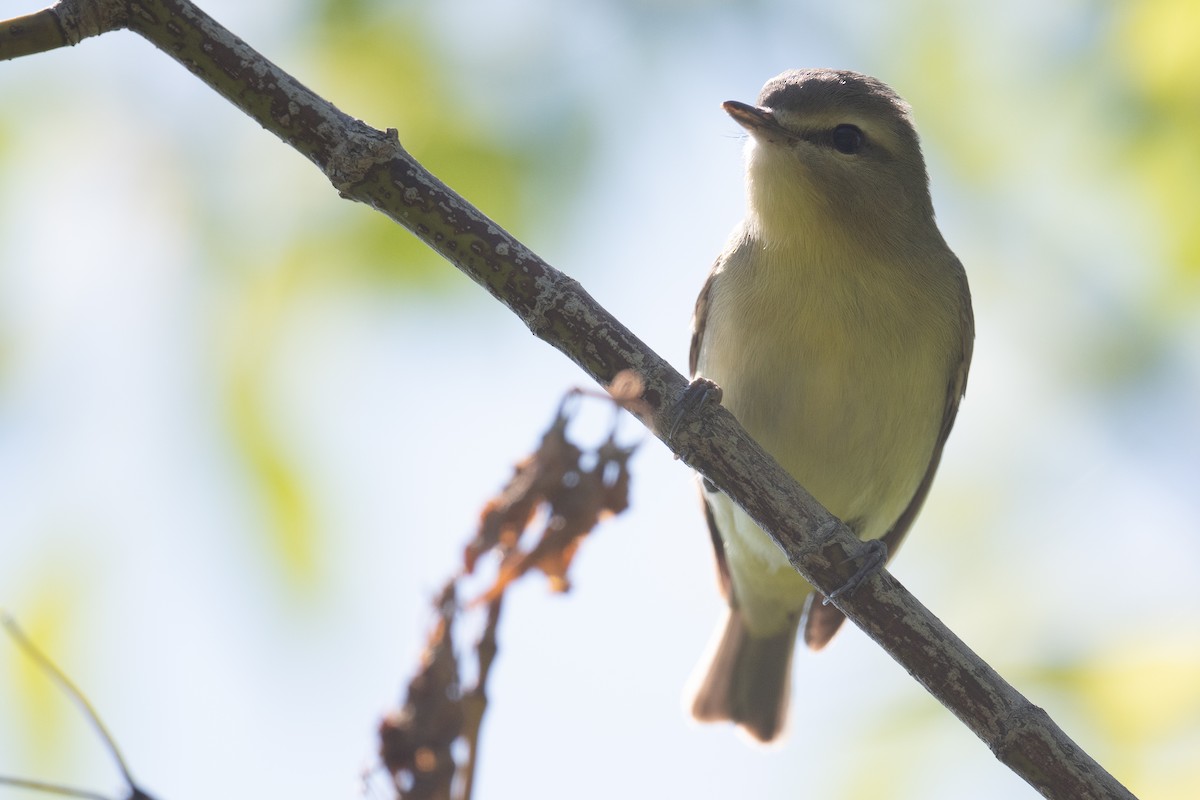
{"x": 748, "y": 680}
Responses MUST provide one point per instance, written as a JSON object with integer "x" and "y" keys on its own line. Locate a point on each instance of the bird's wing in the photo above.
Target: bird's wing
{"x": 955, "y": 390}
{"x": 822, "y": 621}
{"x": 699, "y": 320}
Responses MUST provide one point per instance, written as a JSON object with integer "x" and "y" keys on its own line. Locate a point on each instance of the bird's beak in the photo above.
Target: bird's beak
{"x": 755, "y": 119}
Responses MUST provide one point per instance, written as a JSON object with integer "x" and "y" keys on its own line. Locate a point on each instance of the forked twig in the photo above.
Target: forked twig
{"x": 50, "y": 668}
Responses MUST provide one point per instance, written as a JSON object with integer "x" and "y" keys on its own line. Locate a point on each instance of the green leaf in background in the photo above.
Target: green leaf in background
{"x": 378, "y": 64}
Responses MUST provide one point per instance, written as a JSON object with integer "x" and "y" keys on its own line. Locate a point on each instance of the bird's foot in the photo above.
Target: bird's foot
{"x": 698, "y": 392}
{"x": 873, "y": 555}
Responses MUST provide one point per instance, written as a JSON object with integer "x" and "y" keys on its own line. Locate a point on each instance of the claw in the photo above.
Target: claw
{"x": 698, "y": 392}
{"x": 873, "y": 555}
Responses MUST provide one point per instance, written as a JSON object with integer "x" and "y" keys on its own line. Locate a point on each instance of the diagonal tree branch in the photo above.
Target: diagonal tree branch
{"x": 371, "y": 166}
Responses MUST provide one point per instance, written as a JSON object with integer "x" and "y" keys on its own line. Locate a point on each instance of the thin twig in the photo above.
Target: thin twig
{"x": 80, "y": 699}
{"x": 52, "y": 788}
{"x": 68, "y": 686}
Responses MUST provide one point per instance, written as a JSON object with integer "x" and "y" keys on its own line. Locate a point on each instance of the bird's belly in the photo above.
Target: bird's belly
{"x": 856, "y": 432}
{"x": 855, "y": 428}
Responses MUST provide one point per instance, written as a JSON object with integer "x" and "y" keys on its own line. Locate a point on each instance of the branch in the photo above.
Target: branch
{"x": 371, "y": 167}
{"x": 68, "y": 23}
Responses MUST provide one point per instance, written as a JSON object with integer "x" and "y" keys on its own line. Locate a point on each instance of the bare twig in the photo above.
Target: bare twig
{"x": 475, "y": 701}
{"x": 80, "y": 699}
{"x": 51, "y": 788}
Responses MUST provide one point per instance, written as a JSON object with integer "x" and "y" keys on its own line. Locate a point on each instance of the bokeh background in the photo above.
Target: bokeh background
{"x": 246, "y": 427}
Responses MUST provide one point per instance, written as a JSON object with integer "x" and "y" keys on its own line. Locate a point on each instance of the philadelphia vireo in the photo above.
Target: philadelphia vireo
{"x": 838, "y": 325}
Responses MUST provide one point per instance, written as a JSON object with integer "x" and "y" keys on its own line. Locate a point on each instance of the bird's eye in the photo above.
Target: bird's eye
{"x": 848, "y": 139}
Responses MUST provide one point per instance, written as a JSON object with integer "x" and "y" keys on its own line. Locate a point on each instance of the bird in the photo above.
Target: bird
{"x": 838, "y": 325}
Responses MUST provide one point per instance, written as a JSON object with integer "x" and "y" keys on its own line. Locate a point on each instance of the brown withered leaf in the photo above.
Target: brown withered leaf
{"x": 415, "y": 740}
{"x": 613, "y": 461}
{"x": 626, "y": 390}
{"x": 550, "y": 485}
{"x": 579, "y": 500}
{"x": 507, "y": 514}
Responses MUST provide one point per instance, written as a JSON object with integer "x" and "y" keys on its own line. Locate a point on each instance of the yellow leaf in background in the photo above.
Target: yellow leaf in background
{"x": 291, "y": 533}
{"x": 1158, "y": 43}
{"x": 1143, "y": 690}
{"x": 41, "y": 710}
{"x": 1145, "y": 698}
{"x": 1160, "y": 38}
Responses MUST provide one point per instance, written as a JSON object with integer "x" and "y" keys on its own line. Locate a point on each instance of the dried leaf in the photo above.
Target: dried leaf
{"x": 579, "y": 501}
{"x": 415, "y": 741}
{"x": 552, "y": 485}
{"x": 507, "y": 515}
{"x": 626, "y": 390}
{"x": 613, "y": 467}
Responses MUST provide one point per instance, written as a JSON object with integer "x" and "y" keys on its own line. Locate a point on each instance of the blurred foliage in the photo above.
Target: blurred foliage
{"x": 39, "y": 704}
{"x": 380, "y": 60}
{"x": 1127, "y": 708}
{"x": 1133, "y": 706}
{"x": 1081, "y": 152}
{"x": 255, "y": 331}
{"x": 1158, "y": 43}
{"x": 1142, "y": 701}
